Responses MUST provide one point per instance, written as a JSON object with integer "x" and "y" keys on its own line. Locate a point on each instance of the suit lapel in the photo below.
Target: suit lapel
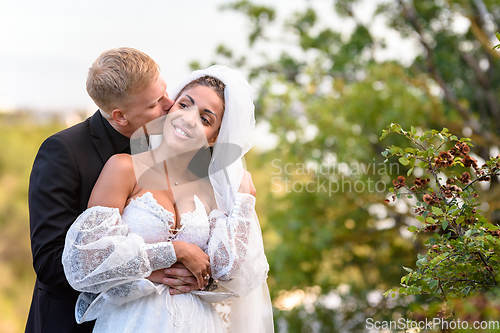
{"x": 101, "y": 138}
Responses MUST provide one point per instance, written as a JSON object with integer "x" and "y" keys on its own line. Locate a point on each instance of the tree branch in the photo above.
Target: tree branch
{"x": 410, "y": 14}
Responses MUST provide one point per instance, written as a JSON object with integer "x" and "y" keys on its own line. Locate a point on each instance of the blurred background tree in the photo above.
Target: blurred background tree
{"x": 333, "y": 245}
{"x": 326, "y": 98}
{"x": 21, "y": 136}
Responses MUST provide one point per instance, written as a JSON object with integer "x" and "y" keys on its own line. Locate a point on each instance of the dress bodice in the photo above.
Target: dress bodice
{"x": 148, "y": 219}
{"x": 108, "y": 256}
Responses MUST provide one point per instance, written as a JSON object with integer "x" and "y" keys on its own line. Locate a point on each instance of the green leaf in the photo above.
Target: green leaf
{"x": 444, "y": 225}
{"x": 412, "y": 228}
{"x": 388, "y": 292}
{"x": 437, "y": 211}
{"x": 409, "y": 172}
{"x": 422, "y": 164}
{"x": 490, "y": 226}
{"x": 395, "y": 127}
{"x": 410, "y": 150}
{"x": 404, "y": 161}
{"x": 409, "y": 270}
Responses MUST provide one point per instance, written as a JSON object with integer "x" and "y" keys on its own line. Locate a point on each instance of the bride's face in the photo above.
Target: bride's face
{"x": 194, "y": 119}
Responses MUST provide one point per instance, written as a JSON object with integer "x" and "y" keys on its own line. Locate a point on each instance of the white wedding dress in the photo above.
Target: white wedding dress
{"x": 107, "y": 256}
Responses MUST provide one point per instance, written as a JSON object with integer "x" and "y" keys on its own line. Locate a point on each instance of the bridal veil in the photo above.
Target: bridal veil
{"x": 252, "y": 311}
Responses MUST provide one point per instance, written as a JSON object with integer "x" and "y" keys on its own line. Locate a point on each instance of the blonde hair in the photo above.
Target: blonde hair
{"x": 119, "y": 73}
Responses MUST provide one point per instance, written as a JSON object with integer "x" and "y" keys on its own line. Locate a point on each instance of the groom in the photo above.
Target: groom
{"x": 126, "y": 85}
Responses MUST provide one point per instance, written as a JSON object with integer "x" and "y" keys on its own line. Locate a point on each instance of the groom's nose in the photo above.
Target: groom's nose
{"x": 167, "y": 103}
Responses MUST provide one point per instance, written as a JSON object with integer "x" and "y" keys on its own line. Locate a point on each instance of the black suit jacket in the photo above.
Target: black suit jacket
{"x": 64, "y": 172}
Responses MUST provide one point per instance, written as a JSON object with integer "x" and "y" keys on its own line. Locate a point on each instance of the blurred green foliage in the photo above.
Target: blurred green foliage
{"x": 21, "y": 136}
{"x": 326, "y": 97}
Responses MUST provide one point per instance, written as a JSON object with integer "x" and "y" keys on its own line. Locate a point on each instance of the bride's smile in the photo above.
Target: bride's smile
{"x": 182, "y": 132}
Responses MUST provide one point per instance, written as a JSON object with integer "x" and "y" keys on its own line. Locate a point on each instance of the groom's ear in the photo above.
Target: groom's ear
{"x": 119, "y": 117}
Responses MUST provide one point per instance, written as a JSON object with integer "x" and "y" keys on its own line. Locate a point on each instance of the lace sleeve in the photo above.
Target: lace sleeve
{"x": 99, "y": 252}
{"x": 236, "y": 249}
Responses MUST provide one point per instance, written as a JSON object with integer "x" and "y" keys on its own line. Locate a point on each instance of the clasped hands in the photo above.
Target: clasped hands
{"x": 177, "y": 277}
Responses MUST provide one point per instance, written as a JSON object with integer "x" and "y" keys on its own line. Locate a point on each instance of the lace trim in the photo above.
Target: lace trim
{"x": 199, "y": 210}
{"x": 148, "y": 202}
{"x": 188, "y": 217}
{"x": 161, "y": 255}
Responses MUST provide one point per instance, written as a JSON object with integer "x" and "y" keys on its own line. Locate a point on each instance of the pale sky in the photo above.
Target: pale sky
{"x": 46, "y": 47}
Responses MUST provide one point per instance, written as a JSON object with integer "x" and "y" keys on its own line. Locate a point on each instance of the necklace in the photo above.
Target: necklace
{"x": 166, "y": 173}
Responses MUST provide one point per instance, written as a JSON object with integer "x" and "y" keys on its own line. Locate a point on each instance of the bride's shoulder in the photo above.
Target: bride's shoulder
{"x": 119, "y": 164}
{"x": 120, "y": 160}
{"x": 115, "y": 183}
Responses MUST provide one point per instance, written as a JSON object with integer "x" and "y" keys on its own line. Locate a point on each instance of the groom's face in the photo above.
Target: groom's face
{"x": 149, "y": 104}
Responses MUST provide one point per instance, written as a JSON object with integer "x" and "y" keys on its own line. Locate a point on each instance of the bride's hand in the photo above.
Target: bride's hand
{"x": 246, "y": 185}
{"x": 195, "y": 260}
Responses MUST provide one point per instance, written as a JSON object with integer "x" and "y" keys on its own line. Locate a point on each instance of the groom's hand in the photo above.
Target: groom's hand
{"x": 246, "y": 185}
{"x": 177, "y": 277}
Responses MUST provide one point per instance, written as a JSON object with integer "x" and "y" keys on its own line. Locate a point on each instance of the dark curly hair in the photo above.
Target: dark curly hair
{"x": 208, "y": 81}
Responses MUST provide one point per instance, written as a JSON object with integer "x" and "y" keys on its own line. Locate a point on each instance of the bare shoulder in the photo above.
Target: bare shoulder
{"x": 119, "y": 167}
{"x": 120, "y": 163}
{"x": 115, "y": 183}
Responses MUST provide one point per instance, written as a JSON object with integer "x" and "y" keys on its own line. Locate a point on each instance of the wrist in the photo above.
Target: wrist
{"x": 179, "y": 250}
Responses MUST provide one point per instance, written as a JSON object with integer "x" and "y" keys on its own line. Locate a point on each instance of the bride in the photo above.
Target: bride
{"x": 155, "y": 208}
